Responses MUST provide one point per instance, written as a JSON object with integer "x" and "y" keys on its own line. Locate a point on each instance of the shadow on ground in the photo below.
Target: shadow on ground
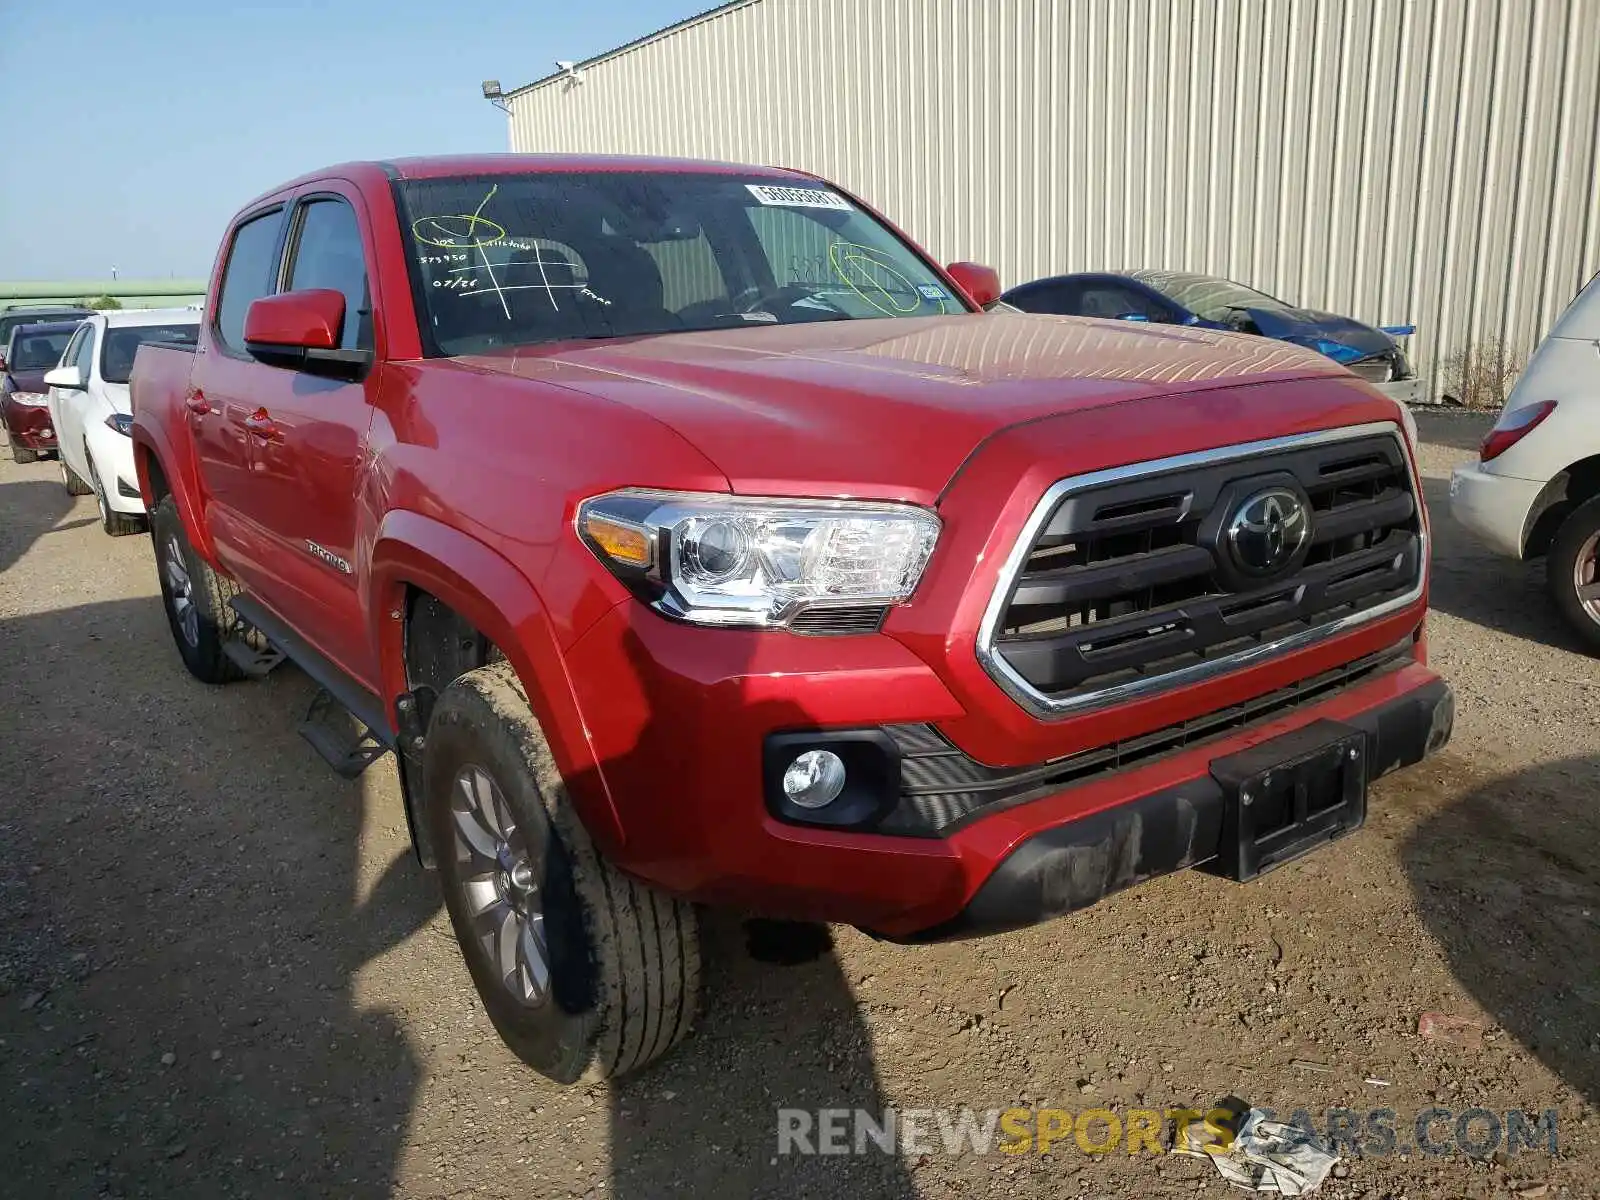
{"x": 29, "y": 509}
{"x": 178, "y": 877}
{"x": 1508, "y": 879}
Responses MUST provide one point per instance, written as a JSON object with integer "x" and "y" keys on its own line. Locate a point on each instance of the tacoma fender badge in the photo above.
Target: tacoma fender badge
{"x": 329, "y": 557}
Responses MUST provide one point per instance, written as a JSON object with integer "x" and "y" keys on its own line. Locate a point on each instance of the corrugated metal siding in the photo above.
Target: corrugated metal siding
{"x": 1434, "y": 161}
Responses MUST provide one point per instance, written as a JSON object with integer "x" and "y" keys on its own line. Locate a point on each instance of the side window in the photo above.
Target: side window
{"x": 1061, "y": 299}
{"x": 1112, "y": 300}
{"x": 85, "y": 356}
{"x": 251, "y": 274}
{"x": 328, "y": 255}
{"x": 71, "y": 358}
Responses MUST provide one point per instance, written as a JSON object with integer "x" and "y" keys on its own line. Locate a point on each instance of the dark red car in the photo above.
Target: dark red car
{"x": 693, "y": 538}
{"x": 32, "y": 350}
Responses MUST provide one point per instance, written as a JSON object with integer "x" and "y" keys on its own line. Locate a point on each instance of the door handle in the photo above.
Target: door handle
{"x": 261, "y": 424}
{"x": 197, "y": 403}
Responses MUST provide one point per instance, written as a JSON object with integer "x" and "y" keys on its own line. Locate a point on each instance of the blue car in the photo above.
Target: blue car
{"x": 1180, "y": 298}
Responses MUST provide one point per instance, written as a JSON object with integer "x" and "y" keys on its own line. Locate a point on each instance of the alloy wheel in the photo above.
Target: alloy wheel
{"x": 1586, "y": 576}
{"x": 500, "y": 881}
{"x": 181, "y": 588}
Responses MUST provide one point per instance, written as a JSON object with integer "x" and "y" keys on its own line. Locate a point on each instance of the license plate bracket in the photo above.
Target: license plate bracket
{"x": 1288, "y": 796}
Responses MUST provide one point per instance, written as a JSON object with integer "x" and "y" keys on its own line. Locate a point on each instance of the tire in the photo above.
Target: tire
{"x": 197, "y": 626}
{"x": 115, "y": 524}
{"x": 71, "y": 480}
{"x": 1572, "y": 572}
{"x": 622, "y": 961}
{"x": 21, "y": 454}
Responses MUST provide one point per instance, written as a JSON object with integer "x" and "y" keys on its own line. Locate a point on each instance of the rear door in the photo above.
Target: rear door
{"x": 306, "y": 444}
{"x": 224, "y": 392}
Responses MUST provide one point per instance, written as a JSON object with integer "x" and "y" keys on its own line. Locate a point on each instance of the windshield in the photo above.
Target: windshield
{"x": 1209, "y": 298}
{"x": 38, "y": 350}
{"x": 123, "y": 342}
{"x": 518, "y": 259}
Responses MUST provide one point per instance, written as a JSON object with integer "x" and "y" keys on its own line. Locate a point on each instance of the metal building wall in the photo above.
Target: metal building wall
{"x": 1434, "y": 161}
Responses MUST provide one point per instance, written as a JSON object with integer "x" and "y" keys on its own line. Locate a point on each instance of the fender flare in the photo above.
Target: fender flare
{"x": 150, "y": 444}
{"x": 486, "y": 589}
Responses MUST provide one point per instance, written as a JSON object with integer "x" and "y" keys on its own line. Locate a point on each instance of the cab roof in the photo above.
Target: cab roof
{"x": 375, "y": 173}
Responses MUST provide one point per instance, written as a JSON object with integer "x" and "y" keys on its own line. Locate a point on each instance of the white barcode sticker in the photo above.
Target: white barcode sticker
{"x": 799, "y": 197}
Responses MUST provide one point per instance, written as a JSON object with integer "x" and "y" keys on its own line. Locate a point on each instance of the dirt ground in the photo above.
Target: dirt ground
{"x": 222, "y": 975}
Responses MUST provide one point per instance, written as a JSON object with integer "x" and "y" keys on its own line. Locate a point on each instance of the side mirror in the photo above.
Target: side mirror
{"x": 68, "y": 379}
{"x": 300, "y": 330}
{"x": 980, "y": 283}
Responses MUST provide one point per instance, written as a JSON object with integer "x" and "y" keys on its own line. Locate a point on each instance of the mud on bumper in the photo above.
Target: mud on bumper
{"x": 1071, "y": 866}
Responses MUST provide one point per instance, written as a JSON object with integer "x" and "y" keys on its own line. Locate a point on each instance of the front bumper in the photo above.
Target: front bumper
{"x": 1073, "y": 865}
{"x": 28, "y": 424}
{"x": 1407, "y": 391}
{"x": 677, "y": 719}
{"x": 1495, "y": 507}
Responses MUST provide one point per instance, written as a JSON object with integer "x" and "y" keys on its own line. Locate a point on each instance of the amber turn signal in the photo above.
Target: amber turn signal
{"x": 624, "y": 543}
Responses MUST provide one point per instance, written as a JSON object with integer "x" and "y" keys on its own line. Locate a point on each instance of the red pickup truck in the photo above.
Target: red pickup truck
{"x": 691, "y": 537}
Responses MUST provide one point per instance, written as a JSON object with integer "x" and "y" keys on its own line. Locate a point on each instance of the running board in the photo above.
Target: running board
{"x": 348, "y": 744}
{"x": 257, "y": 664}
{"x": 341, "y": 700}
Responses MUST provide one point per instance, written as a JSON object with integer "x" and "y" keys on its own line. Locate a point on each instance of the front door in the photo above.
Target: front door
{"x": 307, "y": 437}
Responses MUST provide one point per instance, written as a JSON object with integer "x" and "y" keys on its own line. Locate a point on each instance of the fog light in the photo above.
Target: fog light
{"x": 814, "y": 779}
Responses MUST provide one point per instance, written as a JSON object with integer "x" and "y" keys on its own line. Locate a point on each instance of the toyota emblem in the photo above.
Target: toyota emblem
{"x": 1267, "y": 531}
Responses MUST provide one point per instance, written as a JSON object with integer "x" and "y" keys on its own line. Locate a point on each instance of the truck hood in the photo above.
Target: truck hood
{"x": 889, "y": 408}
{"x": 117, "y": 394}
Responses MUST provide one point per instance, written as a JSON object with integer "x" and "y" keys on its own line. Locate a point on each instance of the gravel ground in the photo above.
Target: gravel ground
{"x": 221, "y": 975}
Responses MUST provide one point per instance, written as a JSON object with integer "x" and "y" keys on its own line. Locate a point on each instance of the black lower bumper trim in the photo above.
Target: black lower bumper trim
{"x": 1071, "y": 866}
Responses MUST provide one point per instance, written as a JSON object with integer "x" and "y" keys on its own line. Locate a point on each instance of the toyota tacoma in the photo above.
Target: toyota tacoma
{"x": 692, "y": 538}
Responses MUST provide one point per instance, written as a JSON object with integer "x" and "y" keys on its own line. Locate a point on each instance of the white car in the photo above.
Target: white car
{"x": 90, "y": 410}
{"x": 1536, "y": 487}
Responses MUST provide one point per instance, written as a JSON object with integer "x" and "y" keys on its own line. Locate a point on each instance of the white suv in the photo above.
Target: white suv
{"x": 1536, "y": 487}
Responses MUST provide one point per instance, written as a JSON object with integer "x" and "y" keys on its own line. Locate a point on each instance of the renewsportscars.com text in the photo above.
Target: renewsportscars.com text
{"x": 1355, "y": 1133}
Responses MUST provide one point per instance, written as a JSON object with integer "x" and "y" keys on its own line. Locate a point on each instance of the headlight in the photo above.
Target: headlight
{"x": 37, "y": 399}
{"x": 731, "y": 560}
{"x": 121, "y": 422}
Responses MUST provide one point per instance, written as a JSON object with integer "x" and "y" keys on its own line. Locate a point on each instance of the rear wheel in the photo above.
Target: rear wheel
{"x": 1572, "y": 571}
{"x": 115, "y": 524}
{"x": 584, "y": 972}
{"x": 71, "y": 480}
{"x": 195, "y": 597}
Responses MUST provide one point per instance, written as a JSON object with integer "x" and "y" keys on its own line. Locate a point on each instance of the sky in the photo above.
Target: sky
{"x": 133, "y": 131}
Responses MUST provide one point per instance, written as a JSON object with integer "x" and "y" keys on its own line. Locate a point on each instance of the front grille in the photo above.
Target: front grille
{"x": 1124, "y": 585}
{"x": 940, "y": 787}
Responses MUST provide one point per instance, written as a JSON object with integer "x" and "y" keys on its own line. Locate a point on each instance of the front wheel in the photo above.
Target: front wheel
{"x": 114, "y": 523}
{"x": 71, "y": 480}
{"x": 1572, "y": 571}
{"x": 584, "y": 972}
{"x": 195, "y": 597}
{"x": 21, "y": 454}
